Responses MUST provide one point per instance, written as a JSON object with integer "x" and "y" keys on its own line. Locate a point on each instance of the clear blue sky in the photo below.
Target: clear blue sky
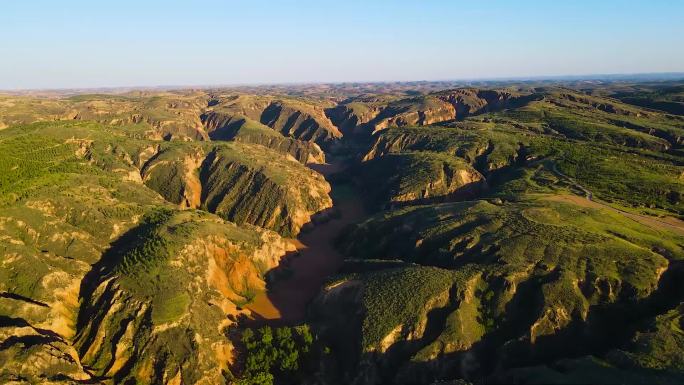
{"x": 52, "y": 44}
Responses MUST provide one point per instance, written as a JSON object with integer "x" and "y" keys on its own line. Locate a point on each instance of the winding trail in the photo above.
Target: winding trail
{"x": 656, "y": 223}
{"x": 285, "y": 301}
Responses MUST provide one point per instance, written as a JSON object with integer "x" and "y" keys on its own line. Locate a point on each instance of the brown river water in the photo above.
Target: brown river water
{"x": 286, "y": 300}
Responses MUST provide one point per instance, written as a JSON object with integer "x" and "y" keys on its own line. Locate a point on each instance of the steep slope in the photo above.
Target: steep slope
{"x": 516, "y": 159}
{"x": 423, "y": 110}
{"x": 531, "y": 234}
{"x": 484, "y": 146}
{"x": 173, "y": 172}
{"x": 58, "y": 213}
{"x": 652, "y": 356}
{"x": 286, "y": 194}
{"x": 352, "y": 115}
{"x": 173, "y": 169}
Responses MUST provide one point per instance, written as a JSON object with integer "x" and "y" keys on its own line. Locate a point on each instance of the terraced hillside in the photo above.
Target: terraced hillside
{"x": 522, "y": 233}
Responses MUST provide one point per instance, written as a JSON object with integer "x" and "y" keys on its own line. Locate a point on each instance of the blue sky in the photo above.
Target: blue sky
{"x": 58, "y": 44}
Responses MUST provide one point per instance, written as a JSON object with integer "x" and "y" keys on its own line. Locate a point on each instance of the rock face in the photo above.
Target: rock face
{"x": 424, "y": 110}
{"x": 470, "y": 101}
{"x": 158, "y": 305}
{"x": 351, "y": 117}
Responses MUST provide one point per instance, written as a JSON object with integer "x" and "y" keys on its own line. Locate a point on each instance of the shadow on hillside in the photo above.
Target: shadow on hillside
{"x": 106, "y": 266}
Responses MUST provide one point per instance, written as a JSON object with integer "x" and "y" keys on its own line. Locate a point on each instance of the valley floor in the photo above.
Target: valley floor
{"x": 316, "y": 258}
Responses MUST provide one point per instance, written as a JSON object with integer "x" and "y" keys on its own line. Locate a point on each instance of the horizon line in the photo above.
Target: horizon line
{"x": 669, "y": 75}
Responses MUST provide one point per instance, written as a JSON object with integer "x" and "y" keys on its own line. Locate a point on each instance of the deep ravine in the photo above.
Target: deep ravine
{"x": 285, "y": 301}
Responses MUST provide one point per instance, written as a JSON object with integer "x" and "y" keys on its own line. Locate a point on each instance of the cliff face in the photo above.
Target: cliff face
{"x": 352, "y": 116}
{"x": 469, "y": 101}
{"x": 423, "y": 110}
{"x": 300, "y": 121}
{"x": 302, "y": 151}
{"x": 159, "y": 307}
